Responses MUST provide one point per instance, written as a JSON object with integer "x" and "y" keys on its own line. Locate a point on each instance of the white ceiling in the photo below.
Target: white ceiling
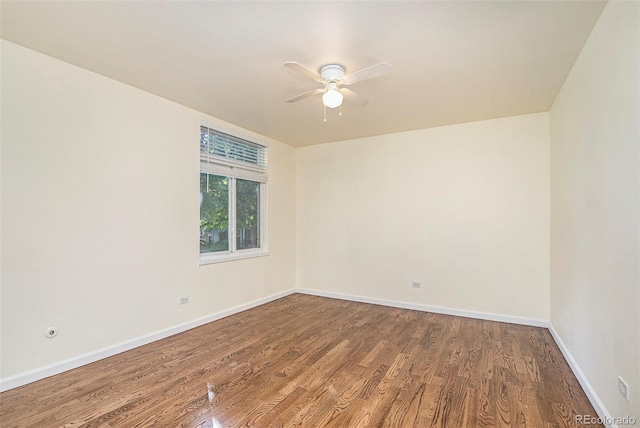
{"x": 452, "y": 61}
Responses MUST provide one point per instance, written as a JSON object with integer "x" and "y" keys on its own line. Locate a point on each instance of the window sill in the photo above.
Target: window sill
{"x": 206, "y": 259}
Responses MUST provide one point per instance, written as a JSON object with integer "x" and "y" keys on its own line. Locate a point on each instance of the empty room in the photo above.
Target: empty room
{"x": 219, "y": 214}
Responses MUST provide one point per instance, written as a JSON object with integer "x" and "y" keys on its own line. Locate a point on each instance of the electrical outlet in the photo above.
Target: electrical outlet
{"x": 51, "y": 332}
{"x": 416, "y": 284}
{"x": 184, "y": 300}
{"x": 623, "y": 387}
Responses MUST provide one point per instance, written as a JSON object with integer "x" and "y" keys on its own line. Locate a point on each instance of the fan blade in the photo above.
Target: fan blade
{"x": 296, "y": 66}
{"x": 367, "y": 73}
{"x": 305, "y": 95}
{"x": 353, "y": 98}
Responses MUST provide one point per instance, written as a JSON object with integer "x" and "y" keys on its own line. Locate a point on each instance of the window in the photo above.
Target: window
{"x": 233, "y": 177}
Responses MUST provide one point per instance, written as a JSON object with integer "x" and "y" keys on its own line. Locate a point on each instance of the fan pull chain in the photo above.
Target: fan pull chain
{"x": 340, "y": 112}
{"x": 325, "y": 112}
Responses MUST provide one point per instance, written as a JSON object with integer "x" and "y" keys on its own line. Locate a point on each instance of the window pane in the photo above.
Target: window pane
{"x": 214, "y": 213}
{"x": 247, "y": 214}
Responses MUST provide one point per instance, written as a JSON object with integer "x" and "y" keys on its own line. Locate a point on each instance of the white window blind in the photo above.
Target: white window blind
{"x": 224, "y": 154}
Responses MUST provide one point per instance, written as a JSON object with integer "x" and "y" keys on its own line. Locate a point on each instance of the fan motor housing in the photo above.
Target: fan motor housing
{"x": 331, "y": 72}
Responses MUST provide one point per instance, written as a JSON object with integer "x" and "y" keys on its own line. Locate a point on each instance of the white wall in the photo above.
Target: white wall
{"x": 100, "y": 215}
{"x": 595, "y": 215}
{"x": 463, "y": 209}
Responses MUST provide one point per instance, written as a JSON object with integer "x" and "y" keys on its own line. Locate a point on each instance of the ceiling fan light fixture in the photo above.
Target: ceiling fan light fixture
{"x": 332, "y": 98}
{"x": 336, "y": 83}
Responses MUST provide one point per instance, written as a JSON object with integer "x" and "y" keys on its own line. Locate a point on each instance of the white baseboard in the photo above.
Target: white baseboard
{"x": 426, "y": 308}
{"x": 90, "y": 357}
{"x": 582, "y": 379}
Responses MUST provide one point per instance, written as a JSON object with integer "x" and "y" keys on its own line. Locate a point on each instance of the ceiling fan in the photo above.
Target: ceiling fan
{"x": 335, "y": 82}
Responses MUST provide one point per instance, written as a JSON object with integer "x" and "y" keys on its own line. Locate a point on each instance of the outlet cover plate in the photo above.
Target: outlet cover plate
{"x": 623, "y": 387}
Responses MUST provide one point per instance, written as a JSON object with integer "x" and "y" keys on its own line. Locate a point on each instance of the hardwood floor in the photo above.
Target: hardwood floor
{"x": 317, "y": 362}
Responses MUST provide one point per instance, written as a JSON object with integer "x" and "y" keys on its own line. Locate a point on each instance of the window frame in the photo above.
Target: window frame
{"x": 233, "y": 253}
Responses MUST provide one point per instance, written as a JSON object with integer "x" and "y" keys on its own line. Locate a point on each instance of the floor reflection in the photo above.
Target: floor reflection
{"x": 213, "y": 423}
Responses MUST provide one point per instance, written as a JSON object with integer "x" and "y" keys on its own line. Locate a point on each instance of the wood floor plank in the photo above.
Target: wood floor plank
{"x": 309, "y": 361}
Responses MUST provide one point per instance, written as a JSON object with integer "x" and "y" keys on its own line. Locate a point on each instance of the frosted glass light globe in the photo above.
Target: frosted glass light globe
{"x": 332, "y": 98}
